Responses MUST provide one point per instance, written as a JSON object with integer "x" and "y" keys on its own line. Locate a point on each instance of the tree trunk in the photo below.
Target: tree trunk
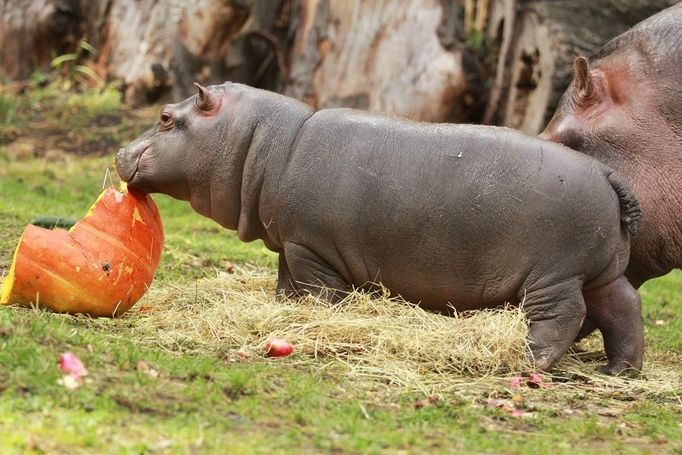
{"x": 153, "y": 46}
{"x": 31, "y": 31}
{"x": 536, "y": 42}
{"x": 393, "y": 56}
{"x": 403, "y": 57}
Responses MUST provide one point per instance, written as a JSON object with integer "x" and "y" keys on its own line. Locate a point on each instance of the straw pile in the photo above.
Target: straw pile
{"x": 377, "y": 338}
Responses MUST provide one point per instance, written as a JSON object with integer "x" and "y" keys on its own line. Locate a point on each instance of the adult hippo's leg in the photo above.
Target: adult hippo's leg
{"x": 589, "y": 326}
{"x": 310, "y": 274}
{"x": 555, "y": 314}
{"x": 616, "y": 311}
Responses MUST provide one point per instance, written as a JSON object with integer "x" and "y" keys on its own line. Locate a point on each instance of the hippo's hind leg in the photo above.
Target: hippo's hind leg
{"x": 616, "y": 310}
{"x": 308, "y": 273}
{"x": 555, "y": 314}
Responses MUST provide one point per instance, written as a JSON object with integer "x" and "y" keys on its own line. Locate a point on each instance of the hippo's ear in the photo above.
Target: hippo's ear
{"x": 582, "y": 77}
{"x": 205, "y": 101}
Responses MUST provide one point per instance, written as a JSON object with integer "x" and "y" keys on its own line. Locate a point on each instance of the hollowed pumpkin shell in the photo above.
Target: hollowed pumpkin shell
{"x": 101, "y": 267}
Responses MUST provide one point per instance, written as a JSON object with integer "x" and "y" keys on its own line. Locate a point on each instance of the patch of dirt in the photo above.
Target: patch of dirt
{"x": 45, "y": 139}
{"x": 8, "y": 134}
{"x": 105, "y": 120}
{"x": 46, "y": 129}
{"x": 138, "y": 407}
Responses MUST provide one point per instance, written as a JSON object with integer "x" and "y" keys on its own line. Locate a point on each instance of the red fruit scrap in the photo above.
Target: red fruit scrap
{"x": 278, "y": 347}
{"x": 70, "y": 364}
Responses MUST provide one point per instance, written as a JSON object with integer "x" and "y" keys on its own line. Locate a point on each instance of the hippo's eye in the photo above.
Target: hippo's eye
{"x": 166, "y": 120}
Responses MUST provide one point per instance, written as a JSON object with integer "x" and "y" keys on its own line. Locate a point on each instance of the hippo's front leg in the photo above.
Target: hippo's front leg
{"x": 304, "y": 272}
{"x": 586, "y": 330}
{"x": 285, "y": 284}
{"x": 616, "y": 311}
{"x": 554, "y": 313}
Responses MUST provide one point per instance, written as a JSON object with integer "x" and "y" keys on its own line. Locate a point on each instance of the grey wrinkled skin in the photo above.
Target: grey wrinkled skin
{"x": 444, "y": 215}
{"x": 625, "y": 109}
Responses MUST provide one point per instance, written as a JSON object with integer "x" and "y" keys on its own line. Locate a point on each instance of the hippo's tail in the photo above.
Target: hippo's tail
{"x": 630, "y": 211}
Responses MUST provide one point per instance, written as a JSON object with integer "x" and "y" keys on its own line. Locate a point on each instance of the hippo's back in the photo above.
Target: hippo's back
{"x": 485, "y": 210}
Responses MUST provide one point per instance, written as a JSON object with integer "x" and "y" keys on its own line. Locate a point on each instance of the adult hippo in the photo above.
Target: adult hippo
{"x": 443, "y": 215}
{"x": 625, "y": 109}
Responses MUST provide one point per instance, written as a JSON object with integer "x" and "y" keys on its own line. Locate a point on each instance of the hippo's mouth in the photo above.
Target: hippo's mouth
{"x": 128, "y": 168}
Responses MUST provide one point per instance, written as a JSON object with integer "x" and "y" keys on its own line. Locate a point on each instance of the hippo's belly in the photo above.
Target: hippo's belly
{"x": 463, "y": 271}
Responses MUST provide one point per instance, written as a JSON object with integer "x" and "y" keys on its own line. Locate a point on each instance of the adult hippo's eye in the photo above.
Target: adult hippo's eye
{"x": 166, "y": 121}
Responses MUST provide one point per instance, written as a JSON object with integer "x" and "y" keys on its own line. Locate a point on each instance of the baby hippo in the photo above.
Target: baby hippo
{"x": 446, "y": 216}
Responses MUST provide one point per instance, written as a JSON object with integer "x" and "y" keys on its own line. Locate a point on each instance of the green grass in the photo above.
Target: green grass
{"x": 265, "y": 406}
{"x": 8, "y": 109}
{"x": 208, "y": 403}
{"x": 97, "y": 102}
{"x": 663, "y": 312}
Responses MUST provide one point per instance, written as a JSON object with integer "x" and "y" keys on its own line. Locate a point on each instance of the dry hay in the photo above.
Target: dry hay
{"x": 381, "y": 339}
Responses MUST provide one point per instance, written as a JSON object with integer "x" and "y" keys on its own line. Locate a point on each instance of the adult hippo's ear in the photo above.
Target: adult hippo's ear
{"x": 206, "y": 101}
{"x": 582, "y": 77}
{"x": 588, "y": 88}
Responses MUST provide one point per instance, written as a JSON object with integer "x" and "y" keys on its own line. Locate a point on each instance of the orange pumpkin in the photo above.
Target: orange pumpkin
{"x": 100, "y": 267}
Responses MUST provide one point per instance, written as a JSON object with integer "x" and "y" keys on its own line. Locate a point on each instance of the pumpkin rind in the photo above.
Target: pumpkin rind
{"x": 101, "y": 267}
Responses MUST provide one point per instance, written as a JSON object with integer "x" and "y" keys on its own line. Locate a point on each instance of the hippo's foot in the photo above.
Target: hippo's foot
{"x": 619, "y": 370}
{"x": 616, "y": 310}
{"x": 302, "y": 272}
{"x": 554, "y": 317}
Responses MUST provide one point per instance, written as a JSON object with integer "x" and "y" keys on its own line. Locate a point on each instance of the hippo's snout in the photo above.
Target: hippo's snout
{"x": 128, "y": 160}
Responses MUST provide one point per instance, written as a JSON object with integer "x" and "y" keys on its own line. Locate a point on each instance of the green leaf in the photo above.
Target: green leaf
{"x": 92, "y": 74}
{"x": 83, "y": 44}
{"x": 61, "y": 59}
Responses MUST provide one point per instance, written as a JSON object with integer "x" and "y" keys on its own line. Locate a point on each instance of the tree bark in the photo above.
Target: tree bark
{"x": 31, "y": 31}
{"x": 155, "y": 46}
{"x": 536, "y": 42}
{"x": 394, "y": 56}
{"x": 401, "y": 57}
